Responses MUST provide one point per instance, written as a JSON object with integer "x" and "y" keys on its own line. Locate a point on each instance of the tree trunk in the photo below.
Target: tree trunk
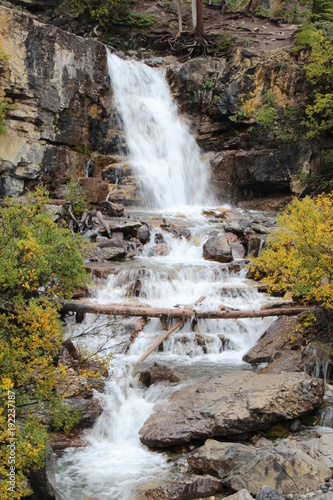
{"x": 160, "y": 340}
{"x": 152, "y": 312}
{"x": 199, "y": 23}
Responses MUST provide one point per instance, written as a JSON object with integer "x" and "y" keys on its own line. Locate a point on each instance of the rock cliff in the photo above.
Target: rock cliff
{"x": 63, "y": 114}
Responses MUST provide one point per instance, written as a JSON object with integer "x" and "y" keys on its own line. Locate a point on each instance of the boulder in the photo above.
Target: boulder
{"x": 217, "y": 249}
{"x": 239, "y": 466}
{"x": 237, "y": 403}
{"x": 43, "y": 480}
{"x": 192, "y": 487}
{"x": 158, "y": 373}
{"x": 283, "y": 332}
{"x": 143, "y": 233}
{"x": 159, "y": 250}
{"x": 109, "y": 250}
{"x": 111, "y": 209}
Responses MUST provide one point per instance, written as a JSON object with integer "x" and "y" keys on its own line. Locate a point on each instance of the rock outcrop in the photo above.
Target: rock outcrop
{"x": 289, "y": 465}
{"x": 237, "y": 403}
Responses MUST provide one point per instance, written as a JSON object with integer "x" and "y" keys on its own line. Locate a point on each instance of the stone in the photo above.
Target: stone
{"x": 97, "y": 190}
{"x": 241, "y": 495}
{"x": 111, "y": 209}
{"x": 279, "y": 335}
{"x": 189, "y": 488}
{"x": 158, "y": 373}
{"x": 268, "y": 493}
{"x": 159, "y": 250}
{"x": 43, "y": 480}
{"x": 143, "y": 233}
{"x": 247, "y": 466}
{"x": 109, "y": 250}
{"x": 89, "y": 410}
{"x": 217, "y": 249}
{"x": 237, "y": 403}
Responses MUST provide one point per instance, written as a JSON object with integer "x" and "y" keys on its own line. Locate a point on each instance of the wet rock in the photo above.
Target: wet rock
{"x": 236, "y": 403}
{"x": 158, "y": 238}
{"x": 143, "y": 233}
{"x": 158, "y": 373}
{"x": 237, "y": 465}
{"x": 217, "y": 249}
{"x": 193, "y": 487}
{"x": 158, "y": 250}
{"x": 43, "y": 480}
{"x": 110, "y": 250}
{"x": 234, "y": 227}
{"x": 100, "y": 269}
{"x": 73, "y": 439}
{"x": 254, "y": 244}
{"x": 89, "y": 410}
{"x": 279, "y": 335}
{"x": 125, "y": 226}
{"x": 111, "y": 209}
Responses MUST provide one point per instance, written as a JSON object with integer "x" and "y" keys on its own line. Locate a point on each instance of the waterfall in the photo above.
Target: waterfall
{"x": 164, "y": 155}
{"x": 171, "y": 173}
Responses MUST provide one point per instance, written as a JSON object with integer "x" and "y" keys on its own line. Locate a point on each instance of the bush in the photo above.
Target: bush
{"x": 40, "y": 264}
{"x": 299, "y": 255}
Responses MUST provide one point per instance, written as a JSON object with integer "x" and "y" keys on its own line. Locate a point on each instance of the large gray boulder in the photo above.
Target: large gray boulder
{"x": 286, "y": 465}
{"x": 237, "y": 403}
{"x": 217, "y": 249}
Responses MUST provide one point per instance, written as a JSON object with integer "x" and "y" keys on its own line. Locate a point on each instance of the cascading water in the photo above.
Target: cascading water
{"x": 167, "y": 160}
{"x": 163, "y": 153}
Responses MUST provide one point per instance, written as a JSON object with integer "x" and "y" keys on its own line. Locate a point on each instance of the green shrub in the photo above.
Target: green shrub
{"x": 40, "y": 264}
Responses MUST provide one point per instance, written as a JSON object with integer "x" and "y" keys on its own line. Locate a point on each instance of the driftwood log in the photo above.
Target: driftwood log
{"x": 159, "y": 341}
{"x": 158, "y": 312}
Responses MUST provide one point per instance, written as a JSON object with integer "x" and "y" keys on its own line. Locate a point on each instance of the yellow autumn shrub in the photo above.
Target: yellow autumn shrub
{"x": 40, "y": 264}
{"x": 298, "y": 257}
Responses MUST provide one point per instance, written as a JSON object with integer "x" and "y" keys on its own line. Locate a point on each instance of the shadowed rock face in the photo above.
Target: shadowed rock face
{"x": 236, "y": 403}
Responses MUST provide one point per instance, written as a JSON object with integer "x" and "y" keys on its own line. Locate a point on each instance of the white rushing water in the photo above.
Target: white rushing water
{"x": 162, "y": 151}
{"x": 168, "y": 163}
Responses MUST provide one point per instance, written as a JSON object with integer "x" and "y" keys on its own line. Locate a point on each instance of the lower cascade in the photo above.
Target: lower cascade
{"x": 114, "y": 464}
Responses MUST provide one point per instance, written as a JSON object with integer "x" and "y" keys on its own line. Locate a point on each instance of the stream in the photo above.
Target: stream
{"x": 175, "y": 185}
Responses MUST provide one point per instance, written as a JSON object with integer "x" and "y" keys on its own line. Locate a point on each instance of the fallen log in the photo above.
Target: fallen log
{"x": 155, "y": 312}
{"x": 159, "y": 341}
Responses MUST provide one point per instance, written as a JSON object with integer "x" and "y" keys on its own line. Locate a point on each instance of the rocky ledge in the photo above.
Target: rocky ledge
{"x": 235, "y": 404}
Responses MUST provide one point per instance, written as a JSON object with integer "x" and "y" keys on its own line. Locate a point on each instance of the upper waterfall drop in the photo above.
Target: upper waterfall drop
{"x": 164, "y": 155}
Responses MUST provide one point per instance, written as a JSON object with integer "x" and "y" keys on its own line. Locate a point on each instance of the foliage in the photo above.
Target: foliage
{"x": 5, "y": 106}
{"x": 208, "y": 84}
{"x": 319, "y": 71}
{"x": 76, "y": 196}
{"x": 40, "y": 264}
{"x": 298, "y": 257}
{"x": 5, "y": 103}
{"x": 267, "y": 113}
{"x": 224, "y": 41}
{"x": 107, "y": 12}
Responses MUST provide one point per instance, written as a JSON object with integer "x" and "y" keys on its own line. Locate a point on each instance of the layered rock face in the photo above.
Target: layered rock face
{"x": 63, "y": 107}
